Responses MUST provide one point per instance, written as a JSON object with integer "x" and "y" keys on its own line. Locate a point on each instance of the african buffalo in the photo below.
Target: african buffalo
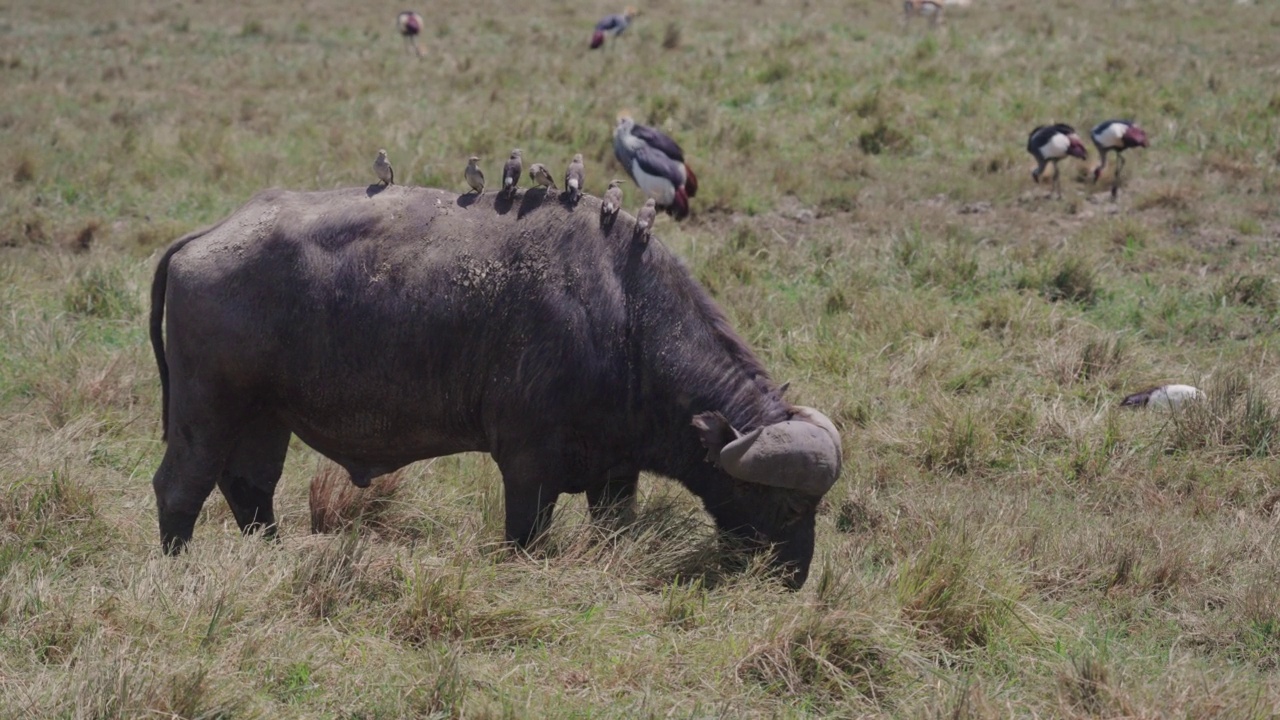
{"x": 385, "y": 327}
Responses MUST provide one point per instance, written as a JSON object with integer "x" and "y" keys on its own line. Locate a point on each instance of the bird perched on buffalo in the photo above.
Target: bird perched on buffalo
{"x": 615, "y": 24}
{"x": 656, "y": 163}
{"x": 409, "y": 24}
{"x": 1049, "y": 144}
{"x": 511, "y": 173}
{"x": 1115, "y": 136}
{"x": 474, "y": 175}
{"x": 612, "y": 201}
{"x": 382, "y": 168}
{"x": 645, "y": 219}
{"x": 540, "y": 175}
{"x": 575, "y": 178}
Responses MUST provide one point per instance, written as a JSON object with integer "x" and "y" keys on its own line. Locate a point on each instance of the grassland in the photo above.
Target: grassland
{"x": 1005, "y": 542}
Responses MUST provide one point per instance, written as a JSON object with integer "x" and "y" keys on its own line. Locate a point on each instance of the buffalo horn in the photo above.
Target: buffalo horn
{"x": 801, "y": 454}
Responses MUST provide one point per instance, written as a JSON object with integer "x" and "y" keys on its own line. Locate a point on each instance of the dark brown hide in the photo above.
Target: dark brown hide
{"x": 388, "y": 326}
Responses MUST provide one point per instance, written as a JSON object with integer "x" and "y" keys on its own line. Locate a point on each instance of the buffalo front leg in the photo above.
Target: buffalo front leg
{"x": 529, "y": 507}
{"x": 529, "y": 496}
{"x": 248, "y": 481}
{"x": 613, "y": 504}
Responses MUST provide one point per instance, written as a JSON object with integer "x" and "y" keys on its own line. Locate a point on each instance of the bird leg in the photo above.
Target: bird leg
{"x": 1097, "y": 173}
{"x": 1115, "y": 181}
{"x": 1057, "y": 188}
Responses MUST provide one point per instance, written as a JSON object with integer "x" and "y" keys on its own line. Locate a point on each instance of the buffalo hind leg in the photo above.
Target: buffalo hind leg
{"x": 188, "y": 473}
{"x": 613, "y": 504}
{"x": 248, "y": 481}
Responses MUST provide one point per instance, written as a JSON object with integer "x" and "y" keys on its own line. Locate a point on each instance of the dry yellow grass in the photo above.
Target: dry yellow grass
{"x": 1004, "y": 543}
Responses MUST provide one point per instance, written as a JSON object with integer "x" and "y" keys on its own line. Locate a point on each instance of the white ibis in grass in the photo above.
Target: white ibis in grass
{"x": 409, "y": 23}
{"x": 1049, "y": 144}
{"x": 511, "y": 173}
{"x": 575, "y": 178}
{"x": 1115, "y": 136}
{"x": 540, "y": 175}
{"x": 475, "y": 177}
{"x": 615, "y": 24}
{"x": 656, "y": 163}
{"x": 612, "y": 201}
{"x": 928, "y": 8}
{"x": 382, "y": 168}
{"x": 1163, "y": 396}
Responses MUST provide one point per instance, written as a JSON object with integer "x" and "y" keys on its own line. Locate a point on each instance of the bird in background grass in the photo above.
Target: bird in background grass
{"x": 616, "y": 24}
{"x": 409, "y": 24}
{"x": 929, "y": 8}
{"x": 382, "y": 168}
{"x": 1115, "y": 136}
{"x": 656, "y": 164}
{"x": 1163, "y": 396}
{"x": 1049, "y": 144}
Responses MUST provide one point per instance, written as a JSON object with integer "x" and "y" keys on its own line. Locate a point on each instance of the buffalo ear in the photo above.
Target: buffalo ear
{"x": 782, "y": 389}
{"x": 715, "y": 432}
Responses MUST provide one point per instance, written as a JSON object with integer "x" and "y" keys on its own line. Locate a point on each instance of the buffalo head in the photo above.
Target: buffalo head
{"x": 781, "y": 472}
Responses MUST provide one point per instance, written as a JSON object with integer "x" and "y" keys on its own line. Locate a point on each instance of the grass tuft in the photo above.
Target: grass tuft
{"x": 824, "y": 657}
{"x": 1238, "y": 419}
{"x": 103, "y": 292}
{"x": 337, "y": 504}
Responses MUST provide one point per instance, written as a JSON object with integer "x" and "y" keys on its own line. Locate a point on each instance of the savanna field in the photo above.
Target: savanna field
{"x": 1005, "y": 541}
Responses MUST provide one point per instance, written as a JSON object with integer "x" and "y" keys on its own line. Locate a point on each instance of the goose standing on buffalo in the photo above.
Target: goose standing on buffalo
{"x": 615, "y": 24}
{"x": 1115, "y": 136}
{"x": 511, "y": 173}
{"x": 1049, "y": 144}
{"x": 656, "y": 163}
{"x": 409, "y": 24}
{"x": 575, "y": 178}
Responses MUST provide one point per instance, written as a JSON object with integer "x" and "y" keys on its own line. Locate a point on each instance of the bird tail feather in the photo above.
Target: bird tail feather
{"x": 690, "y": 182}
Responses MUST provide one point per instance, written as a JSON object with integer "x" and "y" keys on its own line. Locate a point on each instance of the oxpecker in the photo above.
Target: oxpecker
{"x": 382, "y": 168}
{"x": 539, "y": 174}
{"x": 1115, "y": 136}
{"x": 615, "y": 24}
{"x": 1049, "y": 144}
{"x": 475, "y": 178}
{"x": 645, "y": 219}
{"x": 612, "y": 202}
{"x": 575, "y": 178}
{"x": 656, "y": 163}
{"x": 409, "y": 23}
{"x": 511, "y": 173}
